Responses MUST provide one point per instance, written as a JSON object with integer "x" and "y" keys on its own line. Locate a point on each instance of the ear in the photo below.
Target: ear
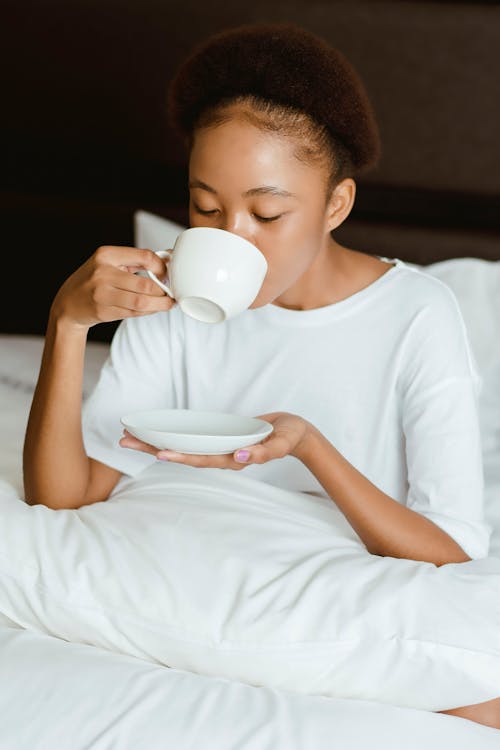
{"x": 341, "y": 202}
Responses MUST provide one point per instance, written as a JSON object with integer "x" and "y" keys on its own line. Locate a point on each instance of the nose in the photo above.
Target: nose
{"x": 236, "y": 225}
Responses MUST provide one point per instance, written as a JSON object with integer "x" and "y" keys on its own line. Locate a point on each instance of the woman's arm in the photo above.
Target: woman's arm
{"x": 57, "y": 471}
{"x": 386, "y": 527}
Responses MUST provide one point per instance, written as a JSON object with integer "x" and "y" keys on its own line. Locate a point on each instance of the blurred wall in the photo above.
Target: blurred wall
{"x": 85, "y": 142}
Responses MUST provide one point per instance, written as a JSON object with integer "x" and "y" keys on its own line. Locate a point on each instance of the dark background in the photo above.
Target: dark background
{"x": 85, "y": 140}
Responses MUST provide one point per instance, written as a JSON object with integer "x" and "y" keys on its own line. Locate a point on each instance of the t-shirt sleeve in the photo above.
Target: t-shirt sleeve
{"x": 138, "y": 374}
{"x": 440, "y": 389}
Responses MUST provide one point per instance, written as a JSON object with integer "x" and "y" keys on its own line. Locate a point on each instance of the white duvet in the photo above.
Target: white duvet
{"x": 64, "y": 696}
{"x": 213, "y": 572}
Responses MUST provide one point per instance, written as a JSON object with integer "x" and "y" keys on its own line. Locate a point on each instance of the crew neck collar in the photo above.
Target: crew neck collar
{"x": 318, "y": 315}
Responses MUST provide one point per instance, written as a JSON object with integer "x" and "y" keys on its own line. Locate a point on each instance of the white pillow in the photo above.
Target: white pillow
{"x": 476, "y": 285}
{"x": 155, "y": 232}
{"x": 210, "y": 571}
{"x": 20, "y": 356}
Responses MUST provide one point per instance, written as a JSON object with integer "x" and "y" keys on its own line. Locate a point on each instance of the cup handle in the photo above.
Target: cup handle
{"x": 162, "y": 254}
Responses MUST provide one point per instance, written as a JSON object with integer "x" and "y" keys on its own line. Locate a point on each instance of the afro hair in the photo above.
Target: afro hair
{"x": 281, "y": 63}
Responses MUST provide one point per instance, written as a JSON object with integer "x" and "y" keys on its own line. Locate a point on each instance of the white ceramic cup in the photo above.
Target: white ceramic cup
{"x": 212, "y": 274}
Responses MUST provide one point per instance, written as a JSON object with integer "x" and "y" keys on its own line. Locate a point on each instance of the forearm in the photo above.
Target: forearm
{"x": 385, "y": 526}
{"x": 55, "y": 464}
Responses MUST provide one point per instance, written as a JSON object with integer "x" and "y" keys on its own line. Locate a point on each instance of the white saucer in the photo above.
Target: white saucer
{"x": 198, "y": 432}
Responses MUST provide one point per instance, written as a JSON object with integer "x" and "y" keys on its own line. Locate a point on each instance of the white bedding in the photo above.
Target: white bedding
{"x": 64, "y": 696}
{"x": 74, "y": 696}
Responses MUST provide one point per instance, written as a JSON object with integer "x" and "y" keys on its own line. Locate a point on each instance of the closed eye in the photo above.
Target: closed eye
{"x": 214, "y": 210}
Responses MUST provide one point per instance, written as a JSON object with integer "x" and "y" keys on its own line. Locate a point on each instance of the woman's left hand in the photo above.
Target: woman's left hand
{"x": 286, "y": 439}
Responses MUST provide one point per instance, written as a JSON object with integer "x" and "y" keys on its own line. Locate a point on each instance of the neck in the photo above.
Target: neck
{"x": 323, "y": 281}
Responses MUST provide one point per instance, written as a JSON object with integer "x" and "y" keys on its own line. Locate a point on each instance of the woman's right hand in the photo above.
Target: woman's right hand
{"x": 105, "y": 288}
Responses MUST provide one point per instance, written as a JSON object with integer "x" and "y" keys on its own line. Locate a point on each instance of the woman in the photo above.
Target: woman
{"x": 362, "y": 364}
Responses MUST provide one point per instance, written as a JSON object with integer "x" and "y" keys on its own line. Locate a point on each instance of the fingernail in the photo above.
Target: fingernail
{"x": 168, "y": 455}
{"x": 242, "y": 456}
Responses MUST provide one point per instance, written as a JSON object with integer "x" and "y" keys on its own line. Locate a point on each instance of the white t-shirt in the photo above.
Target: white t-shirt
{"x": 387, "y": 375}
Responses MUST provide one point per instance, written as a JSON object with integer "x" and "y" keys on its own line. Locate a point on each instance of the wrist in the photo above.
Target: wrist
{"x": 60, "y": 325}
{"x": 308, "y": 444}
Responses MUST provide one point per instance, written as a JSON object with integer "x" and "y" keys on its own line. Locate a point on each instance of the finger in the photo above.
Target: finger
{"x": 272, "y": 447}
{"x": 134, "y": 308}
{"x": 111, "y": 314}
{"x": 223, "y": 461}
{"x": 130, "y": 282}
{"x": 131, "y": 303}
{"x": 130, "y": 257}
{"x": 129, "y": 441}
{"x": 270, "y": 416}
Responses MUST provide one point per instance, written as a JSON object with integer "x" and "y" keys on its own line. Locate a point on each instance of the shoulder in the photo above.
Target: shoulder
{"x": 415, "y": 299}
{"x": 415, "y": 285}
{"x": 430, "y": 289}
{"x": 436, "y": 328}
{"x": 426, "y": 295}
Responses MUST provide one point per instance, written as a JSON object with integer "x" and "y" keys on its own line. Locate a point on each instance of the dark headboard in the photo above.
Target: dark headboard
{"x": 86, "y": 143}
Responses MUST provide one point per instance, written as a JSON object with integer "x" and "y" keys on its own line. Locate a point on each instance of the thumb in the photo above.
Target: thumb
{"x": 242, "y": 456}
{"x": 273, "y": 446}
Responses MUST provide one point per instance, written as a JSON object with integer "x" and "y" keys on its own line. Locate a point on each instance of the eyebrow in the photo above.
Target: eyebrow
{"x": 261, "y": 190}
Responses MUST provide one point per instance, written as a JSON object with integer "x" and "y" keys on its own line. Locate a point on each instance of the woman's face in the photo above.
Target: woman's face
{"x": 250, "y": 183}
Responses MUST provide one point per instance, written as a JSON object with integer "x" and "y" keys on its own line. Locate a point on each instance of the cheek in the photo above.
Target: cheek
{"x": 286, "y": 264}
{"x": 290, "y": 251}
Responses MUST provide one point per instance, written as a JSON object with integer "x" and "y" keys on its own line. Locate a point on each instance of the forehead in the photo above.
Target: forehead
{"x": 259, "y": 190}
{"x": 243, "y": 154}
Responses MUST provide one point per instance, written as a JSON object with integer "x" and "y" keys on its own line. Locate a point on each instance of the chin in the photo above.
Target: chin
{"x": 265, "y": 296}
{"x": 256, "y": 303}
{"x": 261, "y": 300}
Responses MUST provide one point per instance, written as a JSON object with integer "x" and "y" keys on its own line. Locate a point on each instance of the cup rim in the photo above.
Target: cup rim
{"x": 224, "y": 231}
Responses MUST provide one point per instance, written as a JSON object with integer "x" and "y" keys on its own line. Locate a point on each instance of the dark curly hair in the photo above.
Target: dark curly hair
{"x": 287, "y": 80}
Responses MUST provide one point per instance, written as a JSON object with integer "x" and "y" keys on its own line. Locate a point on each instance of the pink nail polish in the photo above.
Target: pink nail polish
{"x": 242, "y": 455}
